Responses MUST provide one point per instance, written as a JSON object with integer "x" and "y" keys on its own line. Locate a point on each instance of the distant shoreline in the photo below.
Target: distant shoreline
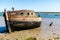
{"x": 49, "y": 12}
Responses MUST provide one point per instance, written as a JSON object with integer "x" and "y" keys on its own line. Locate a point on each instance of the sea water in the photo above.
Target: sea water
{"x": 48, "y": 15}
{"x": 45, "y": 17}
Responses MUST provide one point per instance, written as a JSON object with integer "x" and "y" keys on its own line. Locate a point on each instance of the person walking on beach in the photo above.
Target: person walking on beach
{"x": 51, "y": 24}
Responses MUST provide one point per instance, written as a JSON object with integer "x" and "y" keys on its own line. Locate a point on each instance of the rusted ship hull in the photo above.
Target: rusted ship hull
{"x": 21, "y": 20}
{"x": 22, "y": 25}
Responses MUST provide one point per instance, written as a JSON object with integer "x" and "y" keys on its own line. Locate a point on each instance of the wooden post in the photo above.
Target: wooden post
{"x": 8, "y": 24}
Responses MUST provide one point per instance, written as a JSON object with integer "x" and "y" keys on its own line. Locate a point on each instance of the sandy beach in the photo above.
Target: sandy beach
{"x": 22, "y": 35}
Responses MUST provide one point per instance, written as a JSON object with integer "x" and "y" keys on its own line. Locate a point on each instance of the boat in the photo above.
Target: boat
{"x": 21, "y": 19}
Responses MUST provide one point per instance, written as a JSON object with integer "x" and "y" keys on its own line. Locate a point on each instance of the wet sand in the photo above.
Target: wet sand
{"x": 50, "y": 32}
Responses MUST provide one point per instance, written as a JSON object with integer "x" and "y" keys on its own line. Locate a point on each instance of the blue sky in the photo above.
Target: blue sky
{"x": 37, "y": 5}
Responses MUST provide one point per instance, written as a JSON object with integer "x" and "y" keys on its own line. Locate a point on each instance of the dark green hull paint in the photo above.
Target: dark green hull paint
{"x": 20, "y": 25}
